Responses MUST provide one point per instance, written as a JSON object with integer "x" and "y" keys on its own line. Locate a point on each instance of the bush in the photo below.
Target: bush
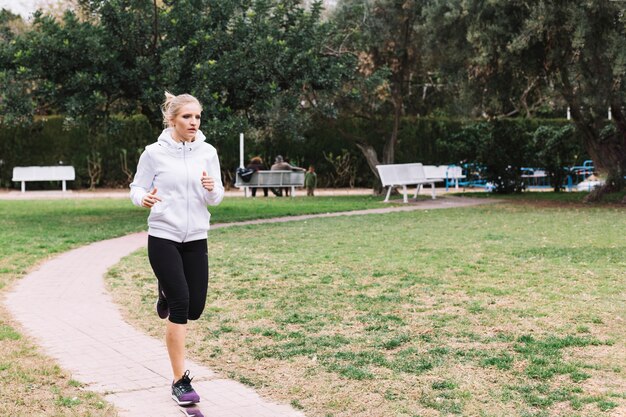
{"x": 503, "y": 148}
{"x": 556, "y": 148}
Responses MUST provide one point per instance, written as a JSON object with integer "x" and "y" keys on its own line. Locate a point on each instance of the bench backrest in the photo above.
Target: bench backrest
{"x": 455, "y": 171}
{"x": 443, "y": 171}
{"x": 273, "y": 179}
{"x": 398, "y": 174}
{"x": 49, "y": 173}
{"x": 435, "y": 171}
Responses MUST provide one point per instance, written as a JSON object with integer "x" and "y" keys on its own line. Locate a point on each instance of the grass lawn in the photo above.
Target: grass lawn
{"x": 458, "y": 310}
{"x": 33, "y": 231}
{"x": 504, "y": 310}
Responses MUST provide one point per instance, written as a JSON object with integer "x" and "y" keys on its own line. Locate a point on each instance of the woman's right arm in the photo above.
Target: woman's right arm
{"x": 144, "y": 177}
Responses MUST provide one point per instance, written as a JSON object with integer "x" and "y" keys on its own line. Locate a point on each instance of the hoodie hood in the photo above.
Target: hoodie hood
{"x": 167, "y": 141}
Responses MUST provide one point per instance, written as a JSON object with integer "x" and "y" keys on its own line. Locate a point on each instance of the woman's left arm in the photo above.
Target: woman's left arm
{"x": 216, "y": 195}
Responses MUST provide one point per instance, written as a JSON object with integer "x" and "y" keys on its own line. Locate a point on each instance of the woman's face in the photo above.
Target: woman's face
{"x": 186, "y": 123}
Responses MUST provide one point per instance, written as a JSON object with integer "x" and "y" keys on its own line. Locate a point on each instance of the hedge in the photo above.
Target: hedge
{"x": 51, "y": 141}
{"x": 338, "y": 162}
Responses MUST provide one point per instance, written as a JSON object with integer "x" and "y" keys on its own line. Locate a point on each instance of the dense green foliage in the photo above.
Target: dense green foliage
{"x": 250, "y": 63}
{"x": 273, "y": 68}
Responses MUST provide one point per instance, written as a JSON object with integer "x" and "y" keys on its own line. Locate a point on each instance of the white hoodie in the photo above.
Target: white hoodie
{"x": 175, "y": 169}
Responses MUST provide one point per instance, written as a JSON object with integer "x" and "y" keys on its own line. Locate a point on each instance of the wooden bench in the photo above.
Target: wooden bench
{"x": 449, "y": 173}
{"x": 405, "y": 174}
{"x": 52, "y": 173}
{"x": 272, "y": 179}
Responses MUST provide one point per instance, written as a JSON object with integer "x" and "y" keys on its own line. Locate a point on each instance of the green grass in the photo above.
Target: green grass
{"x": 32, "y": 231}
{"x": 496, "y": 310}
{"x": 550, "y": 197}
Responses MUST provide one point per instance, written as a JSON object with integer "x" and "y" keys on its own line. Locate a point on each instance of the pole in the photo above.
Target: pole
{"x": 241, "y": 150}
{"x": 245, "y": 189}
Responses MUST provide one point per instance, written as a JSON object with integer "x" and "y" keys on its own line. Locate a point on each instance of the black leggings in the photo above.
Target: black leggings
{"x": 183, "y": 273}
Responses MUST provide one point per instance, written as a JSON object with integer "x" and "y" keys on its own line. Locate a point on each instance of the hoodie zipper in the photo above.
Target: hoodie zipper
{"x": 186, "y": 188}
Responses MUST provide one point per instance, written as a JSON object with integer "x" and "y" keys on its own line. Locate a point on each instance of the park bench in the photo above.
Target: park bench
{"x": 271, "y": 179}
{"x": 51, "y": 173}
{"x": 451, "y": 174}
{"x": 394, "y": 175}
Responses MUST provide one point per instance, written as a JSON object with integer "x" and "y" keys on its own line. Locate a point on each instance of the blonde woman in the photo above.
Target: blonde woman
{"x": 177, "y": 177}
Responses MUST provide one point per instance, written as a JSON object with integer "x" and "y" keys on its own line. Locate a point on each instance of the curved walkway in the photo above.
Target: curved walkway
{"x": 65, "y": 307}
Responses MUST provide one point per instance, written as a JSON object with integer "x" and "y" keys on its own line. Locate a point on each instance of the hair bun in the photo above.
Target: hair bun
{"x": 172, "y": 105}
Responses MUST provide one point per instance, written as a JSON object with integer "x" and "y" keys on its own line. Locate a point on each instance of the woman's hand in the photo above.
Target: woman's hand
{"x": 150, "y": 199}
{"x": 208, "y": 183}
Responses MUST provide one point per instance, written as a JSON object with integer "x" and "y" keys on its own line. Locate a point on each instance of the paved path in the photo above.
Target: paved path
{"x": 65, "y": 307}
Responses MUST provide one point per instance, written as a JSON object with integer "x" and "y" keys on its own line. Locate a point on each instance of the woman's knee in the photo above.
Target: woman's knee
{"x": 195, "y": 316}
{"x": 196, "y": 311}
{"x": 179, "y": 310}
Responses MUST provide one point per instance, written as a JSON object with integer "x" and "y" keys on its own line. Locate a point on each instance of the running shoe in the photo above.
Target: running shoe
{"x": 182, "y": 391}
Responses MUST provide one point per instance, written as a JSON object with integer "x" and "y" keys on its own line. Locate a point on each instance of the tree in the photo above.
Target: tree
{"x": 255, "y": 64}
{"x": 88, "y": 65}
{"x": 569, "y": 51}
{"x": 385, "y": 41}
{"x": 16, "y": 106}
{"x": 582, "y": 45}
{"x": 468, "y": 43}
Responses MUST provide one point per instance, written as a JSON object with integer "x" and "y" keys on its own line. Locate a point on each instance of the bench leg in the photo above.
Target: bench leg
{"x": 432, "y": 186}
{"x": 293, "y": 191}
{"x": 23, "y": 186}
{"x": 404, "y": 194}
{"x": 417, "y": 190}
{"x": 64, "y": 187}
{"x": 388, "y": 194}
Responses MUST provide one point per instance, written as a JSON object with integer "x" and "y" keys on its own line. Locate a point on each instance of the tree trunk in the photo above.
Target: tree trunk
{"x": 616, "y": 150}
{"x": 607, "y": 152}
{"x": 609, "y": 157}
{"x": 371, "y": 156}
{"x": 389, "y": 150}
{"x": 368, "y": 151}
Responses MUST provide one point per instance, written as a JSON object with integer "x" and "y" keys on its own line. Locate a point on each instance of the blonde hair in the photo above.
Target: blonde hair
{"x": 172, "y": 105}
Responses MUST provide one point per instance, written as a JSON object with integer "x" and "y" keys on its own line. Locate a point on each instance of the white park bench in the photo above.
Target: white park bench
{"x": 449, "y": 173}
{"x": 394, "y": 175}
{"x": 272, "y": 179}
{"x": 51, "y": 173}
